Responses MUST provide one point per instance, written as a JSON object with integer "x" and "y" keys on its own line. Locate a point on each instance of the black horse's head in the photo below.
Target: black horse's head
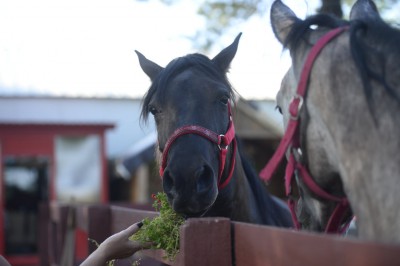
{"x": 190, "y": 91}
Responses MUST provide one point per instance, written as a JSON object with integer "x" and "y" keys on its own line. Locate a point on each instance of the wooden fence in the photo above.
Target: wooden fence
{"x": 218, "y": 241}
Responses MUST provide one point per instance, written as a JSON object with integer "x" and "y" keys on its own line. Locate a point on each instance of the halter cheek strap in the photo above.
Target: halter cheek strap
{"x": 291, "y": 142}
{"x": 222, "y": 141}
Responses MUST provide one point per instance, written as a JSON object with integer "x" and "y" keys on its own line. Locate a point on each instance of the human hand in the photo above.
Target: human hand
{"x": 117, "y": 246}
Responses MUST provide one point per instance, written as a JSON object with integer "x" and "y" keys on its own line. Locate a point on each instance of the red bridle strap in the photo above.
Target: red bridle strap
{"x": 291, "y": 141}
{"x": 222, "y": 141}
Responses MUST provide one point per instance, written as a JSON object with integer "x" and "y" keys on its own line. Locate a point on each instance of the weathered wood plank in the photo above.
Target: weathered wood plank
{"x": 206, "y": 241}
{"x": 263, "y": 245}
{"x": 122, "y": 217}
{"x": 99, "y": 224}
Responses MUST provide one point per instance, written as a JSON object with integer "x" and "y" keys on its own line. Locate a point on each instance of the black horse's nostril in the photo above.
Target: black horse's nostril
{"x": 204, "y": 179}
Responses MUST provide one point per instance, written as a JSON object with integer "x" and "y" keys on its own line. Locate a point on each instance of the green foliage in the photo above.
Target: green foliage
{"x": 162, "y": 231}
{"x": 221, "y": 15}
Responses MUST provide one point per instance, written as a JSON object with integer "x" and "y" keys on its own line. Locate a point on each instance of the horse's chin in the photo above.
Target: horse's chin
{"x": 192, "y": 209}
{"x": 194, "y": 212}
{"x": 195, "y": 215}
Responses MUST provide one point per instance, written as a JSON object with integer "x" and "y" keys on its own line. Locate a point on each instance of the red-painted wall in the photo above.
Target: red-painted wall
{"x": 38, "y": 140}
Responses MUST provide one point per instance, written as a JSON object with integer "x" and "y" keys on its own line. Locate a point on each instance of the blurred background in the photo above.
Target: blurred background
{"x": 71, "y": 90}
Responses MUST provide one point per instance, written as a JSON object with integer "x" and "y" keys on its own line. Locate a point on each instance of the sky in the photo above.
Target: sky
{"x": 85, "y": 48}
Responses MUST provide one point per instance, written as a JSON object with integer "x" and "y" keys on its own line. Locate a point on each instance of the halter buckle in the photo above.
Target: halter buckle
{"x": 296, "y": 115}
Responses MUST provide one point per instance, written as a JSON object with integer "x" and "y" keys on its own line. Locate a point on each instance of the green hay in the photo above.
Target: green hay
{"x": 162, "y": 231}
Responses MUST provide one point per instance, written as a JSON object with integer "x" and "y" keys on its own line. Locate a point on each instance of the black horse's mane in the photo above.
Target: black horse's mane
{"x": 264, "y": 201}
{"x": 302, "y": 28}
{"x": 176, "y": 66}
{"x": 368, "y": 37}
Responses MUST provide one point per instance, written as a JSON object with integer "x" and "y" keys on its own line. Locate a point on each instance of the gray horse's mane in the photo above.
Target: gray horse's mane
{"x": 371, "y": 40}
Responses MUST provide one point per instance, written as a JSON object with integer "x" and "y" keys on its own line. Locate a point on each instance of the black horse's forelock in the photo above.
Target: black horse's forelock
{"x": 176, "y": 66}
{"x": 378, "y": 30}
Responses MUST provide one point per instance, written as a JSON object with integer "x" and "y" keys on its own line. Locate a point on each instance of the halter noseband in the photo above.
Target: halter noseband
{"x": 291, "y": 143}
{"x": 222, "y": 141}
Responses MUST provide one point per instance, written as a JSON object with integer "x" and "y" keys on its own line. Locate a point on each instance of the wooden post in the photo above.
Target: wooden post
{"x": 98, "y": 224}
{"x": 58, "y": 227}
{"x": 204, "y": 241}
{"x": 140, "y": 185}
{"x": 44, "y": 226}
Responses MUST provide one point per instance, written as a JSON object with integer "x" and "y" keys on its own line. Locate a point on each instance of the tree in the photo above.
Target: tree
{"x": 224, "y": 14}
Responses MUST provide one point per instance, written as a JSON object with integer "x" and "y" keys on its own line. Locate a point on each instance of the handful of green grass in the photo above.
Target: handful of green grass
{"x": 162, "y": 231}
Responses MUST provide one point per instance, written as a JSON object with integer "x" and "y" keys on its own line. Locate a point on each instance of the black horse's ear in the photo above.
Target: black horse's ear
{"x": 364, "y": 9}
{"x": 225, "y": 57}
{"x": 282, "y": 19}
{"x": 148, "y": 66}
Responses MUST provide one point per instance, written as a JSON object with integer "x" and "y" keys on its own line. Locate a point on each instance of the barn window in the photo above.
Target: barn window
{"x": 78, "y": 168}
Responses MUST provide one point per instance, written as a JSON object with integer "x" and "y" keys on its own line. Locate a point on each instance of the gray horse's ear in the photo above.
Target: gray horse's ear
{"x": 149, "y": 67}
{"x": 364, "y": 9}
{"x": 225, "y": 57}
{"x": 282, "y": 19}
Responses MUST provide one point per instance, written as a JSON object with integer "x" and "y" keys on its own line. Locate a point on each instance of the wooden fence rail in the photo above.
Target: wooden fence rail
{"x": 218, "y": 241}
{"x": 263, "y": 245}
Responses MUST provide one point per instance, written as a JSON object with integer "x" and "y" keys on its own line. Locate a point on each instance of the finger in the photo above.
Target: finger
{"x": 146, "y": 245}
{"x": 133, "y": 228}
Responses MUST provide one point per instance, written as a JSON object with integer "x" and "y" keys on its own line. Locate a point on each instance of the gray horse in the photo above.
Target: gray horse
{"x": 349, "y": 120}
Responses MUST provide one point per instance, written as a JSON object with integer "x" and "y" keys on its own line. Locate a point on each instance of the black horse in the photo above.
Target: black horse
{"x": 203, "y": 170}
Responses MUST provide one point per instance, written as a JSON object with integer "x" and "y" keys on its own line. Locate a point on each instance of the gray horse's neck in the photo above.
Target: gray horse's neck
{"x": 363, "y": 143}
{"x": 371, "y": 173}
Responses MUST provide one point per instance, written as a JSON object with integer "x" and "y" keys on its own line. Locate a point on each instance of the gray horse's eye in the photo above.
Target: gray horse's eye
{"x": 278, "y": 108}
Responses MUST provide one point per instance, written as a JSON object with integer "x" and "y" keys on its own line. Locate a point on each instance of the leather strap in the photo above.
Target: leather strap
{"x": 222, "y": 141}
{"x": 291, "y": 141}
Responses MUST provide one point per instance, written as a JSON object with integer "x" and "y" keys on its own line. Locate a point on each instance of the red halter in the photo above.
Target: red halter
{"x": 291, "y": 143}
{"x": 223, "y": 142}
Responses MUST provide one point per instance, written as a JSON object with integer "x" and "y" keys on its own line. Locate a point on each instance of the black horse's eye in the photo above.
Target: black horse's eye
{"x": 224, "y": 100}
{"x": 153, "y": 110}
{"x": 278, "y": 108}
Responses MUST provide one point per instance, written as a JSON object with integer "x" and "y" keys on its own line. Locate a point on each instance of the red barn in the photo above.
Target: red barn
{"x": 56, "y": 149}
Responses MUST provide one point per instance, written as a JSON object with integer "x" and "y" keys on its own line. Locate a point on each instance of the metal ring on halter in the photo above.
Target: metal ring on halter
{"x": 221, "y": 147}
{"x": 298, "y": 154}
{"x": 301, "y": 100}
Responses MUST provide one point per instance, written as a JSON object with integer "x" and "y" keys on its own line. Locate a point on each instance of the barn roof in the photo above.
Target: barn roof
{"x": 124, "y": 113}
{"x": 257, "y": 120}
